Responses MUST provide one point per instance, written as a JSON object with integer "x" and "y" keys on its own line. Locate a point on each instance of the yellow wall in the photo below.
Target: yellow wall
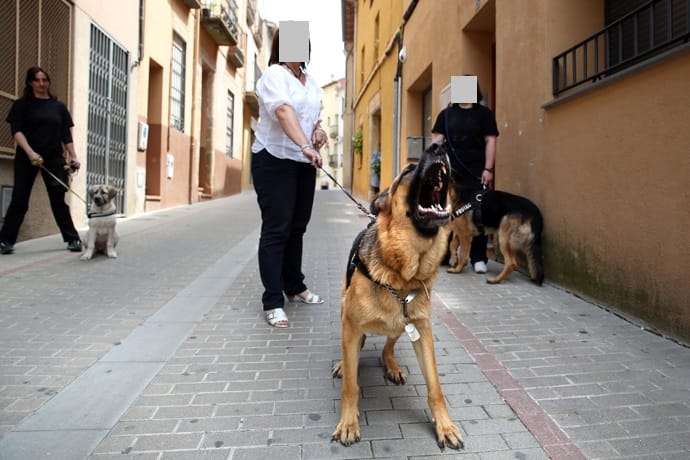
{"x": 608, "y": 163}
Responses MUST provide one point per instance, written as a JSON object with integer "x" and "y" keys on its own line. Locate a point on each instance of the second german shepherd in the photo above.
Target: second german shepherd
{"x": 393, "y": 266}
{"x": 515, "y": 220}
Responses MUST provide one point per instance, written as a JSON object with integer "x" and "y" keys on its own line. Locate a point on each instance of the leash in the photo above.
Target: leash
{"x": 364, "y": 210}
{"x": 67, "y": 187}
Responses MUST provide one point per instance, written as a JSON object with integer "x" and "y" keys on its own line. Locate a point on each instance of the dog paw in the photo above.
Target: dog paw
{"x": 112, "y": 254}
{"x": 346, "y": 433}
{"x": 449, "y": 436}
{"x": 337, "y": 370}
{"x": 493, "y": 280}
{"x": 398, "y": 376}
{"x": 455, "y": 269}
{"x": 86, "y": 256}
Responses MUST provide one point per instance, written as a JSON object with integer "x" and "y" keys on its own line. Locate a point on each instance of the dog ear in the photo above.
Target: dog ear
{"x": 91, "y": 190}
{"x": 112, "y": 191}
{"x": 380, "y": 202}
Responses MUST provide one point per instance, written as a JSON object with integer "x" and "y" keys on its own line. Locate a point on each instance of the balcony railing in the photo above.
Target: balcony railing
{"x": 193, "y": 4}
{"x": 235, "y": 53}
{"x": 251, "y": 12}
{"x": 645, "y": 32}
{"x": 220, "y": 21}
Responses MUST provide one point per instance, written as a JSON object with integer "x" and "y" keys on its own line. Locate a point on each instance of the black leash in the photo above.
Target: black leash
{"x": 359, "y": 205}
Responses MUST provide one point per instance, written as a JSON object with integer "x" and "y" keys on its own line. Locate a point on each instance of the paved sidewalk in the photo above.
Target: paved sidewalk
{"x": 164, "y": 354}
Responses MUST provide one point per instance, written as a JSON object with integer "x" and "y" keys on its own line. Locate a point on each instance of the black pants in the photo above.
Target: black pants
{"x": 478, "y": 245}
{"x": 285, "y": 192}
{"x": 24, "y": 178}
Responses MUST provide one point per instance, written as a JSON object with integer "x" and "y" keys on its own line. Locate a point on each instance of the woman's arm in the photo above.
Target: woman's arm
{"x": 23, "y": 143}
{"x": 290, "y": 124}
{"x": 490, "y": 153}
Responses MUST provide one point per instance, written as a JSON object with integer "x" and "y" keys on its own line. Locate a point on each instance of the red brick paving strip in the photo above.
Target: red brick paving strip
{"x": 554, "y": 441}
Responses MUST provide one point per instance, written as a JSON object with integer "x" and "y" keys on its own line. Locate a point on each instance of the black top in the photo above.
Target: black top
{"x": 465, "y": 134}
{"x": 45, "y": 123}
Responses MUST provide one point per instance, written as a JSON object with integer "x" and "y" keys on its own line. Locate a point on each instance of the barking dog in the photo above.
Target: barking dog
{"x": 515, "y": 220}
{"x": 393, "y": 265}
{"x": 101, "y": 236}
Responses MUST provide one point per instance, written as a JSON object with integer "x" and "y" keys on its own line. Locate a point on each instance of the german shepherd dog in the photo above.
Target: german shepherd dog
{"x": 515, "y": 220}
{"x": 392, "y": 268}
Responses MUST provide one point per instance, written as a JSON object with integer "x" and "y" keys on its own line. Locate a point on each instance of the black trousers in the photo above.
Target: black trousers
{"x": 285, "y": 193}
{"x": 24, "y": 178}
{"x": 478, "y": 245}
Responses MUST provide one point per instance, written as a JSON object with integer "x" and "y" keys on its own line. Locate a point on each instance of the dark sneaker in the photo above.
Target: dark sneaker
{"x": 6, "y": 248}
{"x": 74, "y": 246}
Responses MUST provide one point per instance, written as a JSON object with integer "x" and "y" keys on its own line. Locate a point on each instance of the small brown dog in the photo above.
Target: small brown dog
{"x": 515, "y": 220}
{"x": 393, "y": 265}
{"x": 101, "y": 237}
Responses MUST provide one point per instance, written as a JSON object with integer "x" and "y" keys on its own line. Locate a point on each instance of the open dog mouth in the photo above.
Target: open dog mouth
{"x": 432, "y": 208}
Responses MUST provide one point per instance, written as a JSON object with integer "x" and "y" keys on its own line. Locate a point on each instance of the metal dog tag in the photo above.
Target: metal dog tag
{"x": 412, "y": 332}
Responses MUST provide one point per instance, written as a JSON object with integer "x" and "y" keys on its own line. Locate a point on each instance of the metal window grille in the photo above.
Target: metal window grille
{"x": 230, "y": 121}
{"x": 649, "y": 30}
{"x": 106, "y": 149}
{"x": 177, "y": 95}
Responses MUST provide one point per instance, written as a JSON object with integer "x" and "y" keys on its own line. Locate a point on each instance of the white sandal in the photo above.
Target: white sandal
{"x": 308, "y": 298}
{"x": 277, "y": 318}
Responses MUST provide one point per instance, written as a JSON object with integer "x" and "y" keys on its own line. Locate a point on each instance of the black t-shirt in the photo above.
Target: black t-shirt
{"x": 45, "y": 123}
{"x": 466, "y": 131}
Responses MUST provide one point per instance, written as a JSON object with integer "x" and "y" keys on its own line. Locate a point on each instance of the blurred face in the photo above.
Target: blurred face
{"x": 40, "y": 85}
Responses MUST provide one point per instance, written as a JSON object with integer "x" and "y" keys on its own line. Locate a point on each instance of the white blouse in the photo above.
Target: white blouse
{"x": 277, "y": 86}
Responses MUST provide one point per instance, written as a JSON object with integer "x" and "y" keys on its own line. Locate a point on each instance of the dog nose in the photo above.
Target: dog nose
{"x": 98, "y": 200}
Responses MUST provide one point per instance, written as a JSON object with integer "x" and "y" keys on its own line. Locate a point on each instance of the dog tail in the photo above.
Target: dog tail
{"x": 535, "y": 258}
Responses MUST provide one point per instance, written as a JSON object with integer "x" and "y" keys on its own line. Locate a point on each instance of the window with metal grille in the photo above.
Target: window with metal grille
{"x": 230, "y": 115}
{"x": 177, "y": 95}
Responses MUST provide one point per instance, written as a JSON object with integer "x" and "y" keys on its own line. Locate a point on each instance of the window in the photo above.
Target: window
{"x": 230, "y": 122}
{"x": 178, "y": 83}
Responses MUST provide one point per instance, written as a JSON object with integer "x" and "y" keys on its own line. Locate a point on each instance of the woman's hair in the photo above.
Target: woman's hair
{"x": 275, "y": 52}
{"x": 31, "y": 76}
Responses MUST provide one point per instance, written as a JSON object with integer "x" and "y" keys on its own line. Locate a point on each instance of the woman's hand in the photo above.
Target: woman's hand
{"x": 319, "y": 138}
{"x": 313, "y": 156}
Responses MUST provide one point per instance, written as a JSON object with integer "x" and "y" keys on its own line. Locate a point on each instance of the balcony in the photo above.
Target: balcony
{"x": 646, "y": 32}
{"x": 220, "y": 23}
{"x": 193, "y": 4}
{"x": 333, "y": 131}
{"x": 250, "y": 95}
{"x": 251, "y": 12}
{"x": 257, "y": 32}
{"x": 235, "y": 53}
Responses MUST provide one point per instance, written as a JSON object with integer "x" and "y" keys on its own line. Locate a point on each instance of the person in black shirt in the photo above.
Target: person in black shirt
{"x": 470, "y": 130}
{"x": 41, "y": 126}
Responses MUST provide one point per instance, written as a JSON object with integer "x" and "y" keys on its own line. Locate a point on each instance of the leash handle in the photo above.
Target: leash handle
{"x": 359, "y": 205}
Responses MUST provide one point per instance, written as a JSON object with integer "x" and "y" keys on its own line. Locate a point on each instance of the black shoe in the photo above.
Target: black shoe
{"x": 74, "y": 246}
{"x": 6, "y": 248}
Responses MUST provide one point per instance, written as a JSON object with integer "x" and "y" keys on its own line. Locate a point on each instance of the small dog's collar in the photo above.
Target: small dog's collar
{"x": 100, "y": 214}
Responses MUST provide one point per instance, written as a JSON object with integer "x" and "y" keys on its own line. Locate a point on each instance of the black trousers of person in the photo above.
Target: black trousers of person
{"x": 478, "y": 245}
{"x": 285, "y": 193}
{"x": 24, "y": 177}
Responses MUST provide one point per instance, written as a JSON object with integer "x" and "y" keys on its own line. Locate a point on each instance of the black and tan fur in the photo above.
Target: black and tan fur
{"x": 514, "y": 220}
{"x": 102, "y": 236}
{"x": 401, "y": 251}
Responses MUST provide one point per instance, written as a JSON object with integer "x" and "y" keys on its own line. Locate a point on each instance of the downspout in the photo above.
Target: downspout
{"x": 193, "y": 138}
{"x": 397, "y": 88}
{"x": 140, "y": 50}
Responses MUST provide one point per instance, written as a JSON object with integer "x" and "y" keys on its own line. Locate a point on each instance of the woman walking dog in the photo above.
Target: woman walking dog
{"x": 41, "y": 126}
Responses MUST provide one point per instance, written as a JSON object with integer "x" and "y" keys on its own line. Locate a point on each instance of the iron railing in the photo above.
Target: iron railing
{"x": 641, "y": 34}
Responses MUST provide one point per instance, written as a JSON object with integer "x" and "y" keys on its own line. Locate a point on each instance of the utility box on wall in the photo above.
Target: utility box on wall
{"x": 142, "y": 136}
{"x": 415, "y": 147}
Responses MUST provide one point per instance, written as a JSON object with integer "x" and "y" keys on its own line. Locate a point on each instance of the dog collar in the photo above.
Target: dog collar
{"x": 100, "y": 214}
{"x": 403, "y": 301}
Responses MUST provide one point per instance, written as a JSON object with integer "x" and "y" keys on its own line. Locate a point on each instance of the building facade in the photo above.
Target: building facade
{"x": 591, "y": 100}
{"x": 162, "y": 94}
{"x": 332, "y": 103}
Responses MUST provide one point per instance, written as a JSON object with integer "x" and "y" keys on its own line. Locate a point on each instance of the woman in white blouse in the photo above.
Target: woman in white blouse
{"x": 284, "y": 162}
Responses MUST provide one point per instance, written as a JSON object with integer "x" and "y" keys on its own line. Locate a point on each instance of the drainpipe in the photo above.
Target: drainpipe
{"x": 397, "y": 91}
{"x": 140, "y": 50}
{"x": 193, "y": 138}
